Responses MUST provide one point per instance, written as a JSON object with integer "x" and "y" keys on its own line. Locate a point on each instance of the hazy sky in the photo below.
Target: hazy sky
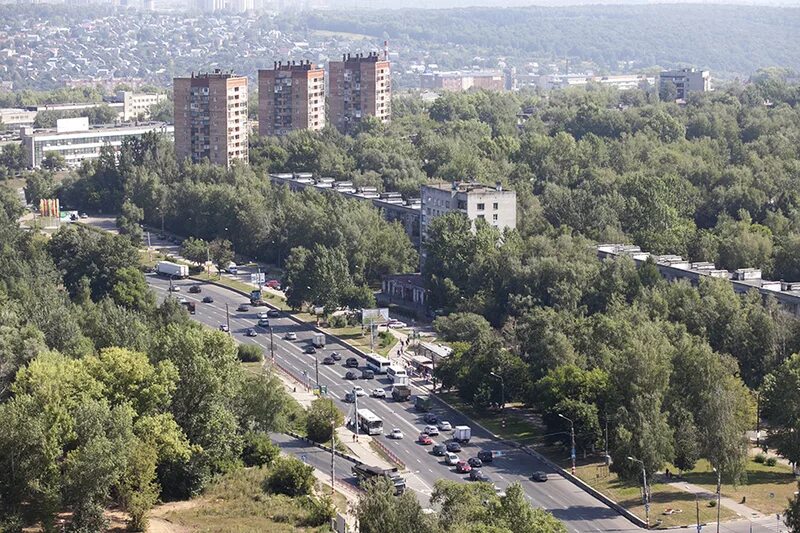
{"x": 434, "y": 4}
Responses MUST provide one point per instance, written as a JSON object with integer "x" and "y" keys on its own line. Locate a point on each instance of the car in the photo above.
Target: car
{"x": 396, "y": 434}
{"x": 291, "y": 336}
{"x": 396, "y": 324}
{"x": 431, "y": 418}
{"x": 485, "y": 456}
{"x": 474, "y": 462}
{"x": 367, "y": 374}
{"x": 453, "y": 446}
{"x": 462, "y": 467}
{"x": 262, "y": 315}
{"x": 359, "y": 391}
{"x": 273, "y": 313}
{"x": 243, "y": 308}
{"x": 350, "y": 375}
{"x": 431, "y": 430}
{"x": 424, "y": 439}
{"x": 208, "y": 300}
{"x": 378, "y": 393}
{"x": 351, "y": 362}
{"x": 174, "y": 288}
{"x": 439, "y": 449}
{"x": 274, "y": 284}
{"x": 444, "y": 425}
{"x": 310, "y": 350}
{"x": 328, "y": 361}
{"x": 349, "y": 397}
{"x": 336, "y": 356}
{"x": 223, "y": 327}
{"x": 183, "y": 301}
{"x": 451, "y": 459}
{"x": 539, "y": 476}
{"x": 478, "y": 475}
{"x": 194, "y": 289}
{"x": 251, "y": 333}
{"x": 263, "y": 322}
{"x": 84, "y": 215}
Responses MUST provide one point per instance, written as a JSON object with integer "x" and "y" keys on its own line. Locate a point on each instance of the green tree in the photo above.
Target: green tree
{"x": 138, "y": 489}
{"x": 53, "y": 161}
{"x": 780, "y": 404}
{"x": 322, "y": 417}
{"x": 792, "y": 513}
{"x": 290, "y": 476}
{"x": 129, "y": 222}
{"x": 195, "y": 250}
{"x": 380, "y": 510}
{"x": 131, "y": 291}
{"x": 259, "y": 449}
{"x": 39, "y": 184}
{"x": 221, "y": 251}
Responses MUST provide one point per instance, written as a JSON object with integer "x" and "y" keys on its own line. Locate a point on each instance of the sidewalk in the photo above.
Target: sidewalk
{"x": 361, "y": 449}
{"x": 738, "y": 508}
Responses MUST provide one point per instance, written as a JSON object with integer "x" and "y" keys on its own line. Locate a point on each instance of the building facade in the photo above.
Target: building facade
{"x": 136, "y": 105}
{"x": 359, "y": 86}
{"x": 211, "y": 118}
{"x": 686, "y": 81}
{"x": 457, "y": 81}
{"x": 74, "y": 139}
{"x": 291, "y": 97}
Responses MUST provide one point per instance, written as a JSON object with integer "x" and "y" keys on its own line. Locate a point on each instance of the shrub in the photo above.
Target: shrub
{"x": 771, "y": 461}
{"x": 250, "y": 353}
{"x": 337, "y": 321}
{"x": 320, "y": 510}
{"x": 289, "y": 476}
{"x": 712, "y": 503}
{"x": 258, "y": 449}
{"x": 318, "y": 419}
{"x": 760, "y": 458}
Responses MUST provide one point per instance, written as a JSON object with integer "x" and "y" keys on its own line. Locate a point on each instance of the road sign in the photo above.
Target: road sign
{"x": 257, "y": 277}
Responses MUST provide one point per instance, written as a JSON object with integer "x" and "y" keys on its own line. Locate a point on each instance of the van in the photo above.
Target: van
{"x": 397, "y": 374}
{"x": 367, "y": 374}
{"x": 232, "y": 268}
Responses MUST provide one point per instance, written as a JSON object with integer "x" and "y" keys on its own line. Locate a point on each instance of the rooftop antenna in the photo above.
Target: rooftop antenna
{"x": 386, "y": 50}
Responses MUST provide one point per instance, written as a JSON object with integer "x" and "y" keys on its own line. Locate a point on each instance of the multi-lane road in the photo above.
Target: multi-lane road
{"x": 580, "y": 511}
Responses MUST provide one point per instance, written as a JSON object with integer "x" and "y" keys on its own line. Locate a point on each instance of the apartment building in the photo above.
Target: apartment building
{"x": 360, "y": 86}
{"x": 291, "y": 97}
{"x": 211, "y": 118}
{"x": 458, "y": 81}
{"x": 136, "y": 105}
{"x": 685, "y": 80}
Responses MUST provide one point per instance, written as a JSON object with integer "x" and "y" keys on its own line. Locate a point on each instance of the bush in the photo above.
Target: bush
{"x": 771, "y": 461}
{"x": 320, "y": 510}
{"x": 258, "y": 449}
{"x": 318, "y": 419}
{"x": 289, "y": 476}
{"x": 250, "y": 353}
{"x": 760, "y": 458}
{"x": 712, "y": 503}
{"x": 337, "y": 321}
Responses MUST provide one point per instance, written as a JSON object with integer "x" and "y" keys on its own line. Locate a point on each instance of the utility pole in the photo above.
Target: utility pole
{"x": 333, "y": 446}
{"x": 316, "y": 370}
{"x": 719, "y": 494}
{"x": 572, "y": 436}
{"x": 646, "y": 495}
{"x": 228, "y": 319}
{"x": 697, "y": 511}
{"x": 355, "y": 408}
{"x": 271, "y": 346}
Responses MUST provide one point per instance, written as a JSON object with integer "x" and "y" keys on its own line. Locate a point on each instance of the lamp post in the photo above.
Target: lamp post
{"x": 646, "y": 497}
{"x": 572, "y": 437}
{"x": 719, "y": 493}
{"x": 271, "y": 346}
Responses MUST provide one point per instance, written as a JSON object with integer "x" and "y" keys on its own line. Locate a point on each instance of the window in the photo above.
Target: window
{"x": 494, "y": 217}
{"x": 481, "y": 207}
{"x": 481, "y": 216}
{"x": 495, "y": 206}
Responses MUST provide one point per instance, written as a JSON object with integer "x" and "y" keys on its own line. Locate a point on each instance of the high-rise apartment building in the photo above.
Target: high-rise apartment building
{"x": 685, "y": 80}
{"x": 360, "y": 86}
{"x": 211, "y": 117}
{"x": 291, "y": 96}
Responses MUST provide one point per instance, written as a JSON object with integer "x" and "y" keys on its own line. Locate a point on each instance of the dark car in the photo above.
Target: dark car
{"x": 350, "y": 375}
{"x": 474, "y": 462}
{"x": 208, "y": 300}
{"x": 328, "y": 361}
{"x": 351, "y": 362}
{"x": 310, "y": 349}
{"x": 539, "y": 476}
{"x": 485, "y": 456}
{"x": 194, "y": 289}
{"x": 478, "y": 475}
{"x": 336, "y": 356}
{"x": 431, "y": 418}
{"x": 243, "y": 308}
{"x": 273, "y": 313}
{"x": 367, "y": 374}
{"x": 252, "y": 333}
{"x": 349, "y": 397}
{"x": 453, "y": 446}
{"x": 439, "y": 449}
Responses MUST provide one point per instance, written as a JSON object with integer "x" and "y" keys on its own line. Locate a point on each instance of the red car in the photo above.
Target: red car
{"x": 424, "y": 439}
{"x": 462, "y": 467}
{"x": 274, "y": 284}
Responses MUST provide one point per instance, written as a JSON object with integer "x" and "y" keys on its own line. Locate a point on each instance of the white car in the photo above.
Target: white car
{"x": 431, "y": 430}
{"x": 396, "y": 434}
{"x": 359, "y": 391}
{"x": 378, "y": 393}
{"x": 396, "y": 324}
{"x": 451, "y": 459}
{"x": 291, "y": 336}
{"x": 444, "y": 425}
{"x": 183, "y": 300}
{"x": 223, "y": 327}
{"x": 174, "y": 288}
{"x": 263, "y": 315}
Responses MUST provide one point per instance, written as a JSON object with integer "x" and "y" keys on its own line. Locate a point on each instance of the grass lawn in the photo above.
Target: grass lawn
{"x": 516, "y": 428}
{"x": 360, "y": 339}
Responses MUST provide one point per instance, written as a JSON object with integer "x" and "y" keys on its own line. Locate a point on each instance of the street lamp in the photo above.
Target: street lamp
{"x": 719, "y": 492}
{"x": 646, "y": 497}
{"x": 572, "y": 437}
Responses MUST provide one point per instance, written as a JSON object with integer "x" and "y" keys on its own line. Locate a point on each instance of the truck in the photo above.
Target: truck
{"x": 364, "y": 472}
{"x": 167, "y": 268}
{"x": 256, "y": 299}
{"x": 422, "y": 403}
{"x": 401, "y": 393}
{"x": 319, "y": 340}
{"x": 462, "y": 434}
{"x": 232, "y": 268}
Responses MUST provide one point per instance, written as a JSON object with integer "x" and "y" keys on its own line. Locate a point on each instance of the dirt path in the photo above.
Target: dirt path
{"x": 160, "y": 524}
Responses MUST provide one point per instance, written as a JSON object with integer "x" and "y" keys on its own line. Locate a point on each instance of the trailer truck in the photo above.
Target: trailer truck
{"x": 319, "y": 340}
{"x": 167, "y": 268}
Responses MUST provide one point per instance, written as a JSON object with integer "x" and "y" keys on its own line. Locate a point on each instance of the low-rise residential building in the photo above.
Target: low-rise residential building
{"x": 76, "y": 141}
{"x": 457, "y": 81}
{"x": 136, "y": 105}
{"x": 13, "y": 118}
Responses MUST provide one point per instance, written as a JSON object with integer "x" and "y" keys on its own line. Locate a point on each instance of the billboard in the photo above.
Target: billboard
{"x": 379, "y": 315}
{"x": 49, "y": 207}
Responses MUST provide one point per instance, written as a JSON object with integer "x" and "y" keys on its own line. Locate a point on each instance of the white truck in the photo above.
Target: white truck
{"x": 166, "y": 268}
{"x": 462, "y": 434}
{"x": 319, "y": 340}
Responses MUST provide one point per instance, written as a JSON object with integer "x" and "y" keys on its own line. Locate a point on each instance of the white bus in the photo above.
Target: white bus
{"x": 397, "y": 374}
{"x": 377, "y": 363}
{"x": 368, "y": 422}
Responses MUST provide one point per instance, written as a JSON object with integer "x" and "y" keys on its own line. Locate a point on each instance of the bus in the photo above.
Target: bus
{"x": 397, "y": 374}
{"x": 377, "y": 363}
{"x": 368, "y": 422}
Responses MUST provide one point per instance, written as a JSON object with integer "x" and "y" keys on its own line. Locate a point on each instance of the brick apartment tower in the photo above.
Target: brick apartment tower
{"x": 211, "y": 118}
{"x": 359, "y": 86}
{"x": 291, "y": 96}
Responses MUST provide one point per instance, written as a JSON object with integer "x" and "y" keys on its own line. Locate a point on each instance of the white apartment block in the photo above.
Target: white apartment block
{"x": 686, "y": 80}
